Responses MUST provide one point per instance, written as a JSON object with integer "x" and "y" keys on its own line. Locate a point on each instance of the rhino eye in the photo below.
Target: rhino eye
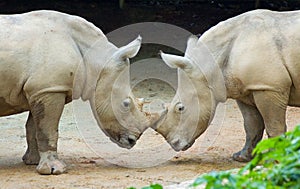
{"x": 126, "y": 102}
{"x": 179, "y": 107}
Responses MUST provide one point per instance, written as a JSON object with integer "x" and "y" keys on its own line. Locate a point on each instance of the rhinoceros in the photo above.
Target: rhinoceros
{"x": 49, "y": 58}
{"x": 256, "y": 61}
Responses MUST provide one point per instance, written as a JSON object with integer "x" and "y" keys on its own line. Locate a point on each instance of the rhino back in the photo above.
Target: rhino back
{"x": 288, "y": 44}
{"x": 258, "y": 50}
{"x": 270, "y": 51}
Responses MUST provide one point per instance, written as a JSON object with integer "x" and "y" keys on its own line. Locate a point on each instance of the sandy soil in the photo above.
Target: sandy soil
{"x": 88, "y": 169}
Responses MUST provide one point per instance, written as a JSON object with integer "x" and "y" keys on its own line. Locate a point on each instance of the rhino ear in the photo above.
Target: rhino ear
{"x": 192, "y": 41}
{"x": 191, "y": 44}
{"x": 130, "y": 50}
{"x": 175, "y": 61}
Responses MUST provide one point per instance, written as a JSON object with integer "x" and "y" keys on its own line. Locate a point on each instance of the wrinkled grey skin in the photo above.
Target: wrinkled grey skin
{"x": 47, "y": 59}
{"x": 258, "y": 55}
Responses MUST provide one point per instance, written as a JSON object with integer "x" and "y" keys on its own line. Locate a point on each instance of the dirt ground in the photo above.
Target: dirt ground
{"x": 87, "y": 169}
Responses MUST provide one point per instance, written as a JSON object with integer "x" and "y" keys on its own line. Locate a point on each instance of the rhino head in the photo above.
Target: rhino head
{"x": 200, "y": 88}
{"x": 118, "y": 113}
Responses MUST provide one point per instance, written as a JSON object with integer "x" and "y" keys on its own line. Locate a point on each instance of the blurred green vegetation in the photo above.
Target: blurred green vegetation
{"x": 276, "y": 165}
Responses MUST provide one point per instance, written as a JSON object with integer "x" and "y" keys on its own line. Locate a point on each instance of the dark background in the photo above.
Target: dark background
{"x": 195, "y": 16}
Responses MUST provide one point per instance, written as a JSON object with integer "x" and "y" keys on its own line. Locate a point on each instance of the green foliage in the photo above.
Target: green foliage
{"x": 152, "y": 186}
{"x": 276, "y": 164}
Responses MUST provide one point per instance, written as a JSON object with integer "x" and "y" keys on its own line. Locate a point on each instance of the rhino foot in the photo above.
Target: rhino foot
{"x": 50, "y": 164}
{"x": 242, "y": 156}
{"x": 31, "y": 158}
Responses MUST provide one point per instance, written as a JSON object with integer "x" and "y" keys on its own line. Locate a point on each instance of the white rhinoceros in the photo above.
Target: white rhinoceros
{"x": 256, "y": 61}
{"x": 47, "y": 59}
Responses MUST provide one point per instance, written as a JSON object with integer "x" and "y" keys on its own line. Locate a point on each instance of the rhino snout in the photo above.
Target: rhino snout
{"x": 180, "y": 145}
{"x": 127, "y": 141}
{"x": 132, "y": 139}
{"x": 187, "y": 146}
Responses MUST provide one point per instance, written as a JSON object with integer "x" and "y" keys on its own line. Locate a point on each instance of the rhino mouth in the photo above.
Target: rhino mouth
{"x": 178, "y": 146}
{"x": 188, "y": 146}
{"x": 125, "y": 140}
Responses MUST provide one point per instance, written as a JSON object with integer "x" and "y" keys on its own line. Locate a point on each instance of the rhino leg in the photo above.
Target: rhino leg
{"x": 46, "y": 111}
{"x": 272, "y": 106}
{"x": 31, "y": 157}
{"x": 254, "y": 127}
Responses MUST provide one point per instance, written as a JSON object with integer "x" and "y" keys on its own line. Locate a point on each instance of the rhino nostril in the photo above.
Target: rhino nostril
{"x": 131, "y": 139}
